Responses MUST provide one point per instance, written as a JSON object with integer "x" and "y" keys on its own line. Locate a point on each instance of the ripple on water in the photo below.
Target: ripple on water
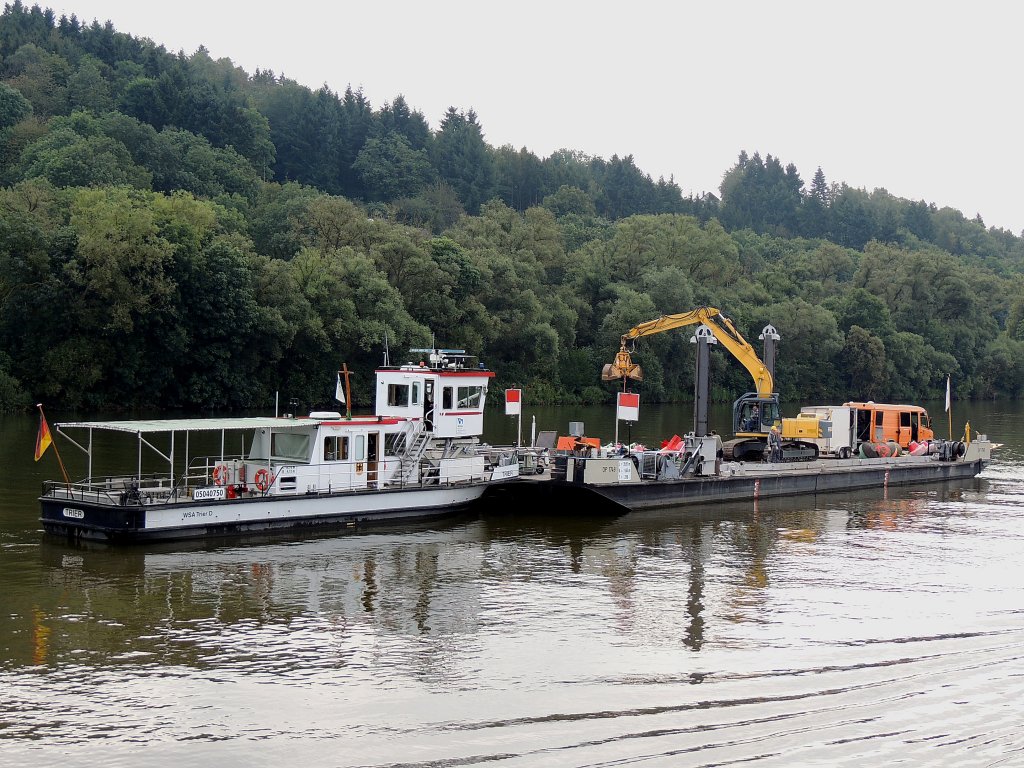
{"x": 826, "y": 632}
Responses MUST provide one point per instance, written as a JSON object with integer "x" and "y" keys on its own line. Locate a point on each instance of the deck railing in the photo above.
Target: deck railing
{"x": 165, "y": 488}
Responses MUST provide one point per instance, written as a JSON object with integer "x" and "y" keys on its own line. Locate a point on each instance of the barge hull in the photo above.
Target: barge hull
{"x": 749, "y": 486}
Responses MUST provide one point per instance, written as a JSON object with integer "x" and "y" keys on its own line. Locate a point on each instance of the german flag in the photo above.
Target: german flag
{"x": 43, "y": 438}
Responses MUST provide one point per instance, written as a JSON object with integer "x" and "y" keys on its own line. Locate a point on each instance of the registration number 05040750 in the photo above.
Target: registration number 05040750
{"x": 209, "y": 494}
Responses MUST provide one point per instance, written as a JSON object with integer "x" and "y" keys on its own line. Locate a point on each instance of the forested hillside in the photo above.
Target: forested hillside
{"x": 178, "y": 233}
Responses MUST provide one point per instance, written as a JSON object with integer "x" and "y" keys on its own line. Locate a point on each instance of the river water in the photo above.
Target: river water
{"x": 866, "y": 629}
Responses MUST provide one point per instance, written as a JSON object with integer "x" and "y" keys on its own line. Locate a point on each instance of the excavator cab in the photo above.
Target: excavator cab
{"x": 753, "y": 415}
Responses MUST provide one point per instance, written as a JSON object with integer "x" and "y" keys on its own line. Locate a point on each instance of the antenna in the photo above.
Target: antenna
{"x": 386, "y": 361}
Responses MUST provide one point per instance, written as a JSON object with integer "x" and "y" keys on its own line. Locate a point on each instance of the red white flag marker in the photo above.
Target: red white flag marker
{"x": 628, "y": 408}
{"x": 513, "y": 402}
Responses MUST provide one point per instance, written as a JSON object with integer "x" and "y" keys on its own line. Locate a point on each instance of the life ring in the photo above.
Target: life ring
{"x": 220, "y": 474}
{"x": 263, "y": 480}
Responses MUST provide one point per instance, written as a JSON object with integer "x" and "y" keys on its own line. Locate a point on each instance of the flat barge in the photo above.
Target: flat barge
{"x": 627, "y": 483}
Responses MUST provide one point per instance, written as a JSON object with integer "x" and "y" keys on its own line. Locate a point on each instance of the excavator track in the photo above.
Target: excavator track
{"x": 753, "y": 449}
{"x": 744, "y": 449}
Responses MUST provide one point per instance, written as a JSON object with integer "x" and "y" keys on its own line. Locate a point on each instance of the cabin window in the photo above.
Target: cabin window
{"x": 446, "y": 398}
{"x": 470, "y": 397}
{"x": 416, "y": 393}
{"x": 360, "y": 448}
{"x": 335, "y": 448}
{"x": 398, "y": 395}
{"x": 293, "y": 446}
{"x": 905, "y": 418}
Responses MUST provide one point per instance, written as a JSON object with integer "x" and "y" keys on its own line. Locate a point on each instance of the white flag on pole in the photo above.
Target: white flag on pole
{"x": 339, "y": 392}
{"x": 947, "y": 394}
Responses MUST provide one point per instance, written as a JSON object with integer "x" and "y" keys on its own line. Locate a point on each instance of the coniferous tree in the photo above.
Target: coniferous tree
{"x": 814, "y": 208}
{"x": 463, "y": 159}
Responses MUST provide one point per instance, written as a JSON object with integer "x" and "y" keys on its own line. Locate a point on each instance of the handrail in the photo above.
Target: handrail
{"x": 165, "y": 488}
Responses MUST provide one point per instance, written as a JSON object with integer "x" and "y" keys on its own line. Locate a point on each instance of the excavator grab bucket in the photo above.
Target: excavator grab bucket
{"x": 622, "y": 368}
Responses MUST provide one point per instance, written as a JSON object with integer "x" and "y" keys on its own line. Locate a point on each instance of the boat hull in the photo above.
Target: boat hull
{"x": 79, "y": 519}
{"x": 752, "y": 484}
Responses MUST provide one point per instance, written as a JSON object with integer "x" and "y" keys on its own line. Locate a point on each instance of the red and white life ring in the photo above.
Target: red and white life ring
{"x": 264, "y": 479}
{"x": 220, "y": 474}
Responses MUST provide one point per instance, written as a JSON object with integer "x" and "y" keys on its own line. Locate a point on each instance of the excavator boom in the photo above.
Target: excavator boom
{"x": 755, "y": 414}
{"x": 724, "y": 331}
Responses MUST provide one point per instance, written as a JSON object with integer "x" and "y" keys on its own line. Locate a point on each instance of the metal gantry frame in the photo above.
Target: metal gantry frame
{"x": 168, "y": 457}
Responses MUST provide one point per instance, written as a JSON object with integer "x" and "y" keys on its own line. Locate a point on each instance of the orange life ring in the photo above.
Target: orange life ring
{"x": 220, "y": 474}
{"x": 263, "y": 480}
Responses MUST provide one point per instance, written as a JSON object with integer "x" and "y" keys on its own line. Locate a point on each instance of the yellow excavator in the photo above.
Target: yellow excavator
{"x": 754, "y": 413}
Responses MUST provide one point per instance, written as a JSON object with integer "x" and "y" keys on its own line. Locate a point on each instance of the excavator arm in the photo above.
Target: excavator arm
{"x": 724, "y": 331}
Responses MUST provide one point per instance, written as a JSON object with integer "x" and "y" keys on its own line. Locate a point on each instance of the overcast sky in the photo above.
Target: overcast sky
{"x": 921, "y": 98}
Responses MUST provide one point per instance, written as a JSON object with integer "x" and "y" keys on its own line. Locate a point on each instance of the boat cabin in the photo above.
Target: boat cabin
{"x": 442, "y": 391}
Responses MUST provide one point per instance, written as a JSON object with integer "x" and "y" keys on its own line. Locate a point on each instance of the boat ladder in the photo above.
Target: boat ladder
{"x": 411, "y": 459}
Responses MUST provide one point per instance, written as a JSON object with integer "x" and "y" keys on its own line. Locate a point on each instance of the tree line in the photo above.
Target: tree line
{"x": 176, "y": 233}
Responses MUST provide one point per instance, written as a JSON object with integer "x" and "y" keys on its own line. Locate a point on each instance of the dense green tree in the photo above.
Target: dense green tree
{"x": 864, "y": 361}
{"x": 308, "y": 131}
{"x": 520, "y": 178}
{"x": 1001, "y": 369}
{"x": 175, "y": 235}
{"x": 399, "y": 118}
{"x": 68, "y": 159}
{"x": 359, "y": 124}
{"x": 88, "y": 88}
{"x": 40, "y": 76}
{"x": 762, "y": 195}
{"x": 813, "y": 214}
{"x": 865, "y": 310}
{"x": 626, "y": 190}
{"x": 914, "y": 366}
{"x": 273, "y": 216}
{"x": 463, "y": 159}
{"x": 851, "y": 218}
{"x": 436, "y": 208}
{"x": 566, "y": 200}
{"x": 390, "y": 168}
{"x": 13, "y": 106}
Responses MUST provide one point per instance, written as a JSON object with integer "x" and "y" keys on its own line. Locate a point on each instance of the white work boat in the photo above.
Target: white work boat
{"x": 418, "y": 457}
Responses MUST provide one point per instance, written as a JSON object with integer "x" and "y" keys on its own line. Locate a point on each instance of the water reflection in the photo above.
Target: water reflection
{"x": 707, "y": 636}
{"x": 671, "y": 577}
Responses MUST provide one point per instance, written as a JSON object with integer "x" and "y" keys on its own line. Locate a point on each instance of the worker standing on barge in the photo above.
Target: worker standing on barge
{"x": 774, "y": 444}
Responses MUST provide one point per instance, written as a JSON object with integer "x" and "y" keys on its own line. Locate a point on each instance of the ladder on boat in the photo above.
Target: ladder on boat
{"x": 413, "y": 455}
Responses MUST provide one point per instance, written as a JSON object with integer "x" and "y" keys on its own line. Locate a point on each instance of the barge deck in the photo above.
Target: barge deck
{"x": 616, "y": 484}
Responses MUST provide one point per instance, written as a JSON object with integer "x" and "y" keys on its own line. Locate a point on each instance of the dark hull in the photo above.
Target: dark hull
{"x": 119, "y": 525}
{"x": 651, "y": 494}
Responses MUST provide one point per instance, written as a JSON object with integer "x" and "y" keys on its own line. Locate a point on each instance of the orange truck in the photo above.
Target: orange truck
{"x": 882, "y": 422}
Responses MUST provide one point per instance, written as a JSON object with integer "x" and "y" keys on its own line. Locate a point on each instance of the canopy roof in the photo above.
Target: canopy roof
{"x": 147, "y": 426}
